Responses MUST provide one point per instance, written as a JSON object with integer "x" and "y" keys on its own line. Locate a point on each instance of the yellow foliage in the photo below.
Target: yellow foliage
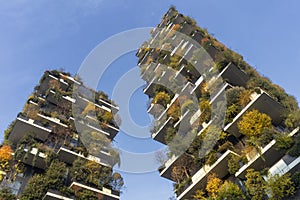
{"x": 253, "y": 123}
{"x": 199, "y": 195}
{"x": 89, "y": 107}
{"x": 174, "y": 111}
{"x": 205, "y": 109}
{"x": 162, "y": 98}
{"x": 213, "y": 185}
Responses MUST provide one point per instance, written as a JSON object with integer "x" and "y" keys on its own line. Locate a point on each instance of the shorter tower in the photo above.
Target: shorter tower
{"x": 60, "y": 143}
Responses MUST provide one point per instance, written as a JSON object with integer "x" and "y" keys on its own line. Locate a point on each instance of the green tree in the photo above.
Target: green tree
{"x": 253, "y": 123}
{"x": 6, "y": 194}
{"x": 255, "y": 185}
{"x": 233, "y": 95}
{"x": 205, "y": 108}
{"x": 230, "y": 191}
{"x": 36, "y": 188}
{"x": 295, "y": 149}
{"x": 293, "y": 119}
{"x": 90, "y": 172}
{"x": 55, "y": 175}
{"x": 233, "y": 164}
{"x": 85, "y": 195}
{"x": 279, "y": 187}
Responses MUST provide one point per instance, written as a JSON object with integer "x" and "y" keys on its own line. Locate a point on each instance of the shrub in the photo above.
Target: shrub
{"x": 170, "y": 133}
{"x": 233, "y": 164}
{"x": 162, "y": 98}
{"x": 295, "y": 149}
{"x": 233, "y": 95}
{"x": 211, "y": 158}
{"x": 255, "y": 185}
{"x": 6, "y": 194}
{"x": 253, "y": 123}
{"x": 231, "y": 112}
{"x": 230, "y": 191}
{"x": 293, "y": 119}
{"x": 283, "y": 142}
{"x": 205, "y": 108}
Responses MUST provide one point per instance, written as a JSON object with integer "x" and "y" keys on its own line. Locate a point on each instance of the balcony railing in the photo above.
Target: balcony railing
{"x": 267, "y": 157}
{"x": 69, "y": 156}
{"x": 55, "y": 195}
{"x": 104, "y": 194}
{"x": 25, "y": 125}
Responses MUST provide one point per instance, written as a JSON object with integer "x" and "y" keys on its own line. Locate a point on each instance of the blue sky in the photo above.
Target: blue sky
{"x": 40, "y": 35}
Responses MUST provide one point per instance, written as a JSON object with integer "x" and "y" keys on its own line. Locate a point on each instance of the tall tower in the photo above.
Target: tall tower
{"x": 60, "y": 143}
{"x": 222, "y": 121}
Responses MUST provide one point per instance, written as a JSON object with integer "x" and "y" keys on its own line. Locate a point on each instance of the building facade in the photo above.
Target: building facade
{"x": 60, "y": 143}
{"x": 218, "y": 117}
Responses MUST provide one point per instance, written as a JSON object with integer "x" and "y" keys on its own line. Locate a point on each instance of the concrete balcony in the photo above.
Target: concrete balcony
{"x": 25, "y": 125}
{"x": 285, "y": 165}
{"x": 34, "y": 158}
{"x": 112, "y": 107}
{"x": 149, "y": 89}
{"x": 94, "y": 125}
{"x": 233, "y": 75}
{"x": 103, "y": 194}
{"x": 44, "y": 85}
{"x": 199, "y": 179}
{"x": 267, "y": 157}
{"x": 160, "y": 134}
{"x": 68, "y": 156}
{"x": 264, "y": 104}
{"x": 73, "y": 80}
{"x": 178, "y": 19}
{"x": 168, "y": 166}
{"x": 53, "y": 121}
{"x": 62, "y": 101}
{"x": 83, "y": 102}
{"x": 187, "y": 29}
{"x": 149, "y": 70}
{"x": 197, "y": 36}
{"x": 55, "y": 195}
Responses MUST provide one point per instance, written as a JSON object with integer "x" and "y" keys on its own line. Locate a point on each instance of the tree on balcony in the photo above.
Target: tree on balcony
{"x": 213, "y": 185}
{"x": 36, "y": 188}
{"x": 293, "y": 119}
{"x": 6, "y": 194}
{"x": 255, "y": 185}
{"x": 174, "y": 111}
{"x": 162, "y": 98}
{"x": 38, "y": 185}
{"x": 279, "y": 187}
{"x": 206, "y": 110}
{"x": 253, "y": 123}
{"x": 84, "y": 194}
{"x": 231, "y": 191}
{"x": 295, "y": 149}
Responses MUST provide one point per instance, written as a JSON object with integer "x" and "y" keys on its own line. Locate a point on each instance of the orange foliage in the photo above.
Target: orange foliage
{"x": 5, "y": 153}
